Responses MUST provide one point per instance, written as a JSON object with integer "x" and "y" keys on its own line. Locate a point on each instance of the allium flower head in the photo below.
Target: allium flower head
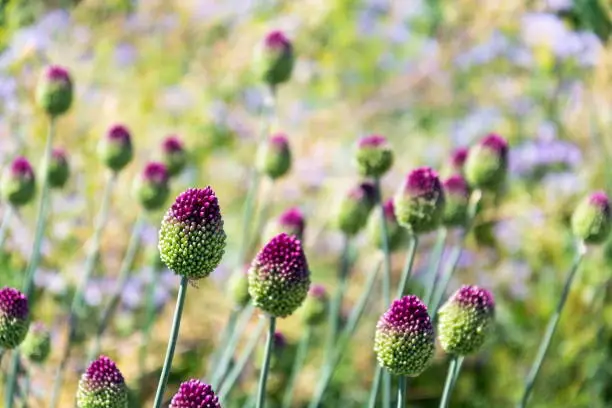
{"x": 457, "y": 161}
{"x": 274, "y": 159}
{"x": 54, "y": 90}
{"x": 396, "y": 234}
{"x": 355, "y": 208}
{"x": 465, "y": 320}
{"x": 115, "y": 148}
{"x": 18, "y": 184}
{"x": 291, "y": 222}
{"x": 239, "y": 288}
{"x": 457, "y": 194}
{"x": 174, "y": 155}
{"x": 37, "y": 344}
{"x": 374, "y": 156}
{"x": 14, "y": 317}
{"x": 191, "y": 238}
{"x": 102, "y": 386}
{"x": 404, "y": 342}
{"x": 419, "y": 203}
{"x": 314, "y": 309}
{"x": 592, "y": 218}
{"x": 59, "y": 169}
{"x": 195, "y": 394}
{"x": 274, "y": 59}
{"x": 487, "y": 163}
{"x": 151, "y": 186}
{"x": 279, "y": 277}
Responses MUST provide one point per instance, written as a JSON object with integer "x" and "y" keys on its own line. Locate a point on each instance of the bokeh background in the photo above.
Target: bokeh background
{"x": 430, "y": 76}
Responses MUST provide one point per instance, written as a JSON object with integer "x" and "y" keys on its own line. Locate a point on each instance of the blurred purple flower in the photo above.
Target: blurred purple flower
{"x": 544, "y": 155}
{"x": 133, "y": 293}
{"x": 125, "y": 55}
{"x": 51, "y": 281}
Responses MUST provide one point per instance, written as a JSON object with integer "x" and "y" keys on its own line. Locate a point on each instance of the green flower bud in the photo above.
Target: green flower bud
{"x": 274, "y": 159}
{"x": 457, "y": 194}
{"x": 274, "y": 59}
{"x": 14, "y": 317}
{"x": 59, "y": 169}
{"x": 54, "y": 91}
{"x": 374, "y": 156}
{"x": 115, "y": 148}
{"x": 314, "y": 309}
{"x": 239, "y": 289}
{"x": 419, "y": 204}
{"x": 18, "y": 184}
{"x": 592, "y": 219}
{"x": 151, "y": 187}
{"x": 487, "y": 163}
{"x": 37, "y": 344}
{"x": 355, "y": 208}
{"x": 174, "y": 155}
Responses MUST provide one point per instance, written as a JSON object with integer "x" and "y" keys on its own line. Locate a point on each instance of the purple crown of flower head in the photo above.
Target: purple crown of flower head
{"x": 496, "y": 143}
{"x": 119, "y": 133}
{"x": 474, "y": 297}
{"x": 408, "y": 314}
{"x": 456, "y": 184}
{"x": 317, "y": 291}
{"x": 279, "y": 140}
{"x": 280, "y": 341}
{"x": 196, "y": 205}
{"x": 601, "y": 200}
{"x": 293, "y": 218}
{"x": 101, "y": 373}
{"x": 155, "y": 172}
{"x": 372, "y": 141}
{"x": 458, "y": 157}
{"x": 389, "y": 210}
{"x": 21, "y": 167}
{"x": 13, "y": 303}
{"x": 283, "y": 255}
{"x": 59, "y": 154}
{"x": 423, "y": 181}
{"x": 364, "y": 191}
{"x": 172, "y": 144}
{"x": 277, "y": 39}
{"x": 195, "y": 394}
{"x": 57, "y": 73}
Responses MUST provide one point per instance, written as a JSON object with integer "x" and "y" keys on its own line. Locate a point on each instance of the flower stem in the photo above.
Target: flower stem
{"x": 448, "y": 385}
{"x": 241, "y": 362}
{"x": 124, "y": 274}
{"x": 28, "y": 284}
{"x": 407, "y": 272}
{"x": 335, "y": 308}
{"x": 6, "y": 218}
{"x": 434, "y": 264}
{"x": 228, "y": 330}
{"x": 176, "y": 323}
{"x": 374, "y": 388}
{"x": 265, "y": 367}
{"x": 401, "y": 392}
{"x": 300, "y": 357}
{"x": 552, "y": 326}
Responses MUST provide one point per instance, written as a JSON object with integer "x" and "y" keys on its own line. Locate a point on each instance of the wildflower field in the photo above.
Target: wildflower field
{"x": 276, "y": 203}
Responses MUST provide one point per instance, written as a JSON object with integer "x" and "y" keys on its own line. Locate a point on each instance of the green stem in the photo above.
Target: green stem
{"x": 552, "y": 326}
{"x": 375, "y": 386}
{"x": 401, "y": 392}
{"x": 174, "y": 332}
{"x": 265, "y": 367}
{"x": 228, "y": 330}
{"x": 343, "y": 340}
{"x": 226, "y": 357}
{"x": 407, "y": 272}
{"x": 6, "y": 218}
{"x": 76, "y": 307}
{"x": 434, "y": 264}
{"x": 28, "y": 284}
{"x": 243, "y": 359}
{"x": 335, "y": 308}
{"x": 124, "y": 274}
{"x": 300, "y": 357}
{"x": 448, "y": 385}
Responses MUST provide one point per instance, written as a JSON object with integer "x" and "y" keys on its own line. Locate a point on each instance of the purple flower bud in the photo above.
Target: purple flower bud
{"x": 487, "y": 163}
{"x": 14, "y": 317}
{"x": 396, "y": 234}
{"x": 457, "y": 194}
{"x": 404, "y": 342}
{"x": 274, "y": 159}
{"x": 355, "y": 208}
{"x": 314, "y": 309}
{"x": 279, "y": 277}
{"x": 291, "y": 222}
{"x": 239, "y": 288}
{"x": 191, "y": 238}
{"x": 465, "y": 320}
{"x": 458, "y": 158}
{"x": 151, "y": 187}
{"x": 195, "y": 394}
{"x": 18, "y": 184}
{"x": 174, "y": 155}
{"x": 59, "y": 169}
{"x": 37, "y": 344}
{"x": 115, "y": 148}
{"x": 592, "y": 218}
{"x": 419, "y": 203}
{"x": 54, "y": 92}
{"x": 274, "y": 59}
{"x": 374, "y": 156}
{"x": 102, "y": 385}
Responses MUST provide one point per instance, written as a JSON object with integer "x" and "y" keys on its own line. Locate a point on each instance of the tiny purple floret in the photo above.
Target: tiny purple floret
{"x": 13, "y": 303}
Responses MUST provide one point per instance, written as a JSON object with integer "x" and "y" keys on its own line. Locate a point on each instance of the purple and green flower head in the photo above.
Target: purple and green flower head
{"x": 355, "y": 208}
{"x": 195, "y": 394}
{"x": 37, "y": 344}
{"x": 457, "y": 160}
{"x": 115, "y": 148}
{"x": 54, "y": 91}
{"x": 174, "y": 155}
{"x": 238, "y": 287}
{"x": 465, "y": 320}
{"x": 486, "y": 165}
{"x": 396, "y": 234}
{"x": 102, "y": 386}
{"x": 14, "y": 317}
{"x": 405, "y": 342}
{"x": 274, "y": 158}
{"x": 274, "y": 59}
{"x": 151, "y": 186}
{"x": 419, "y": 203}
{"x": 279, "y": 277}
{"x": 592, "y": 218}
{"x": 59, "y": 169}
{"x": 191, "y": 237}
{"x": 314, "y": 309}
{"x": 457, "y": 195}
{"x": 374, "y": 156}
{"x": 291, "y": 222}
{"x": 18, "y": 184}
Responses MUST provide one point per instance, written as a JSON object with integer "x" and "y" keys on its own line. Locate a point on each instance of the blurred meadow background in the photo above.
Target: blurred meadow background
{"x": 431, "y": 76}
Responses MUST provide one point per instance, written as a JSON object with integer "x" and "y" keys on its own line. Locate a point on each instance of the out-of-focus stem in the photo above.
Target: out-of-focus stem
{"x": 6, "y": 218}
{"x": 300, "y": 357}
{"x": 265, "y": 367}
{"x": 335, "y": 308}
{"x": 401, "y": 392}
{"x": 407, "y": 272}
{"x": 434, "y": 264}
